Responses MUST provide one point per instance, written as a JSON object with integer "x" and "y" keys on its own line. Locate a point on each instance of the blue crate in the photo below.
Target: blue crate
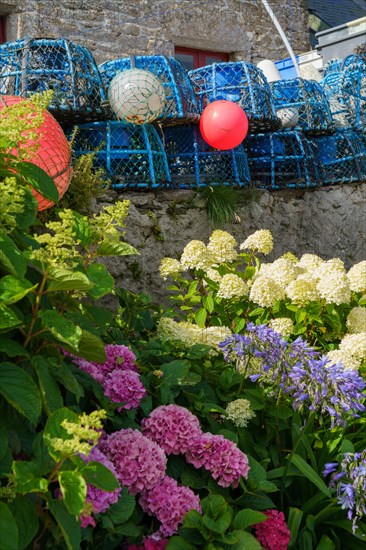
{"x": 181, "y": 102}
{"x": 131, "y": 155}
{"x": 341, "y": 157}
{"x": 241, "y": 83}
{"x": 29, "y": 66}
{"x": 310, "y": 100}
{"x": 286, "y": 68}
{"x": 354, "y": 89}
{"x": 281, "y": 160}
{"x": 194, "y": 163}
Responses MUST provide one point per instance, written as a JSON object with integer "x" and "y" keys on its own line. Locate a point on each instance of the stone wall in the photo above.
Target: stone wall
{"x": 118, "y": 28}
{"x": 330, "y": 222}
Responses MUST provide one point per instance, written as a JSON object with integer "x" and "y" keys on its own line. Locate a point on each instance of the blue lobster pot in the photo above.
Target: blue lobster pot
{"x": 281, "y": 160}
{"x": 181, "y": 103}
{"x": 241, "y": 83}
{"x": 332, "y": 84}
{"x": 31, "y": 66}
{"x": 131, "y": 156}
{"x": 194, "y": 163}
{"x": 309, "y": 99}
{"x": 341, "y": 157}
{"x": 354, "y": 89}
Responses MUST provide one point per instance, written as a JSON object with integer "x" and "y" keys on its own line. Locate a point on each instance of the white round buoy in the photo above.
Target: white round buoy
{"x": 289, "y": 117}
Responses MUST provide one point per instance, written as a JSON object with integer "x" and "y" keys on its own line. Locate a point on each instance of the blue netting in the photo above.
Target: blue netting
{"x": 341, "y": 157}
{"x": 332, "y": 85}
{"x": 181, "y": 103}
{"x": 333, "y": 65}
{"x": 281, "y": 160}
{"x": 194, "y": 163}
{"x": 241, "y": 83}
{"x": 354, "y": 89}
{"x": 132, "y": 155}
{"x": 309, "y": 99}
{"x": 29, "y": 65}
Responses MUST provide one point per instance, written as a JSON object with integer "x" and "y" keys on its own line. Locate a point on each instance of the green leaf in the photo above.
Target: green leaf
{"x": 51, "y": 395}
{"x": 8, "y": 318}
{"x": 249, "y": 272}
{"x": 175, "y": 371}
{"x": 193, "y": 520}
{"x": 13, "y": 289}
{"x": 37, "y": 178}
{"x": 193, "y": 479}
{"x": 179, "y": 543}
{"x": 91, "y": 347}
{"x": 246, "y": 541}
{"x": 267, "y": 486}
{"x": 200, "y": 317}
{"x": 100, "y": 476}
{"x": 208, "y": 303}
{"x": 325, "y": 543}
{"x": 123, "y": 509}
{"x": 293, "y": 523}
{"x": 214, "y": 505}
{"x": 65, "y": 377}
{"x": 53, "y": 429}
{"x": 246, "y": 518}
{"x": 11, "y": 258}
{"x": 19, "y": 389}
{"x": 12, "y": 348}
{"x": 256, "y": 473}
{"x": 220, "y": 524}
{"x": 9, "y": 535}
{"x": 65, "y": 279}
{"x": 103, "y": 281}
{"x": 73, "y": 488}
{"x": 26, "y": 518}
{"x": 310, "y": 474}
{"x": 67, "y": 523}
{"x": 4, "y": 442}
{"x": 28, "y": 478}
{"x": 64, "y": 330}
{"x": 108, "y": 248}
{"x": 81, "y": 229}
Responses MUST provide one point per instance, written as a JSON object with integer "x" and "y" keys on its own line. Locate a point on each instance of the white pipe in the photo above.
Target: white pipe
{"x": 282, "y": 34}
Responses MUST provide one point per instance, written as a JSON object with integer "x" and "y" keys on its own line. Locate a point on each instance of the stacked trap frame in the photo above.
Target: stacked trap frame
{"x": 181, "y": 103}
{"x": 241, "y": 83}
{"x": 132, "y": 156}
{"x": 31, "y": 66}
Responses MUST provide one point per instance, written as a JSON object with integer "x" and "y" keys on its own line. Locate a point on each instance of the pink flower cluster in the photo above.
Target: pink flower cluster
{"x": 169, "y": 502}
{"x": 224, "y": 460}
{"x": 118, "y": 376}
{"x": 139, "y": 462}
{"x": 172, "y": 427}
{"x": 99, "y": 499}
{"x": 273, "y": 533}
{"x": 150, "y": 544}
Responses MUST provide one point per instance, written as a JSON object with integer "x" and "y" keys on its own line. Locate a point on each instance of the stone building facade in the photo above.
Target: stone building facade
{"x": 118, "y": 28}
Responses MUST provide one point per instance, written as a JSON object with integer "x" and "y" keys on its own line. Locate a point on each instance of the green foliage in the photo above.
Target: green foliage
{"x": 220, "y": 202}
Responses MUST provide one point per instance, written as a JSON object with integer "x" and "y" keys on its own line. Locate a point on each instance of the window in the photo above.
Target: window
{"x": 192, "y": 59}
{"x": 2, "y": 30}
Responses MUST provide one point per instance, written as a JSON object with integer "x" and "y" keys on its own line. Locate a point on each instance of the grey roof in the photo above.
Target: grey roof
{"x": 337, "y": 12}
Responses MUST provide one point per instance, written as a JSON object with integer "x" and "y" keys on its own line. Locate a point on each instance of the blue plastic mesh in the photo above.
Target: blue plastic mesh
{"x": 341, "y": 157}
{"x": 241, "y": 83}
{"x": 181, "y": 103}
{"x": 29, "y": 65}
{"x": 308, "y": 97}
{"x": 132, "y": 155}
{"x": 354, "y": 89}
{"x": 332, "y": 85}
{"x": 281, "y": 160}
{"x": 194, "y": 163}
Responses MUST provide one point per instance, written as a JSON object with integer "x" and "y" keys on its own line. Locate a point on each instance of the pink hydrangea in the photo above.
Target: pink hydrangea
{"x": 224, "y": 460}
{"x": 140, "y": 463}
{"x": 118, "y": 356}
{"x": 150, "y": 544}
{"x": 273, "y": 534}
{"x": 172, "y": 427}
{"x": 169, "y": 503}
{"x": 99, "y": 499}
{"x": 124, "y": 386}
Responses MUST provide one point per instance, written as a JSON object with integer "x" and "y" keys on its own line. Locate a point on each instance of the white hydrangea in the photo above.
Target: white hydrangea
{"x": 354, "y": 345}
{"x": 310, "y": 262}
{"x": 334, "y": 287}
{"x": 260, "y": 241}
{"x": 169, "y": 268}
{"x": 239, "y": 412}
{"x": 348, "y": 361}
{"x": 303, "y": 290}
{"x": 335, "y": 265}
{"x": 266, "y": 292}
{"x": 214, "y": 275}
{"x": 196, "y": 256}
{"x": 283, "y": 271}
{"x": 232, "y": 286}
{"x": 356, "y": 320}
{"x": 357, "y": 277}
{"x": 212, "y": 336}
{"x": 183, "y": 332}
{"x": 282, "y": 325}
{"x": 221, "y": 247}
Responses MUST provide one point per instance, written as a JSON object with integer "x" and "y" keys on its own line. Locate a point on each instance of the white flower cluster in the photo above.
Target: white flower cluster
{"x": 283, "y": 271}
{"x": 282, "y": 325}
{"x": 169, "y": 268}
{"x": 303, "y": 290}
{"x": 221, "y": 247}
{"x": 239, "y": 412}
{"x": 266, "y": 292}
{"x": 190, "y": 334}
{"x": 348, "y": 361}
{"x": 232, "y": 287}
{"x": 196, "y": 256}
{"x": 261, "y": 241}
{"x": 357, "y": 277}
{"x": 356, "y": 320}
